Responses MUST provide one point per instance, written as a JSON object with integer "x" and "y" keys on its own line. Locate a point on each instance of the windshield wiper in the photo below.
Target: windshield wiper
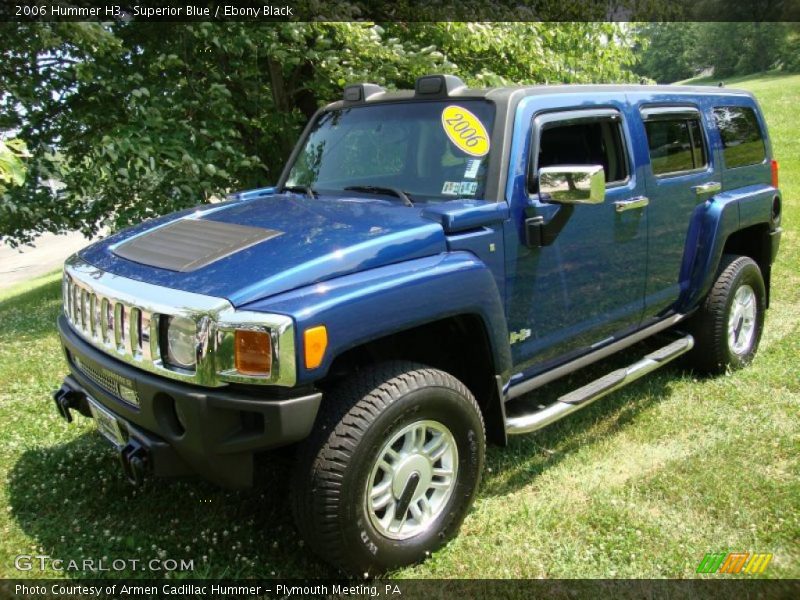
{"x": 377, "y": 189}
{"x": 302, "y": 189}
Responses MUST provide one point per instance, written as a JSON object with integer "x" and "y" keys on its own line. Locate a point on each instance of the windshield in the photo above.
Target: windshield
{"x": 429, "y": 150}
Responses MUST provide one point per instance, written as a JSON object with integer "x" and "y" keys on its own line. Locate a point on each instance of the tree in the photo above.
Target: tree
{"x": 12, "y": 167}
{"x": 138, "y": 119}
{"x": 665, "y": 52}
{"x": 790, "y": 50}
{"x": 673, "y": 51}
{"x": 737, "y": 48}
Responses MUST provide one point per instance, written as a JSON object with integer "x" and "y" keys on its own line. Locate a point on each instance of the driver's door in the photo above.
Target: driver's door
{"x": 578, "y": 277}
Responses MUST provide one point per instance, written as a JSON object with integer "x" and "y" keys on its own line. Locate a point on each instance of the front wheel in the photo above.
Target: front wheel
{"x": 727, "y": 327}
{"x": 391, "y": 469}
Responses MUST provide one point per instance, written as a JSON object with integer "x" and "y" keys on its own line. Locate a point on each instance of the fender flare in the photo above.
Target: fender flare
{"x": 366, "y": 306}
{"x": 710, "y": 226}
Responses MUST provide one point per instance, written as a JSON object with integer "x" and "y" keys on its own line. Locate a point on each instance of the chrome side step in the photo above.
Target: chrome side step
{"x": 538, "y": 381}
{"x": 583, "y": 396}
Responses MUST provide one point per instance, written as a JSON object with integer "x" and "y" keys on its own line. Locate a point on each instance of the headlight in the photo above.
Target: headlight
{"x": 181, "y": 342}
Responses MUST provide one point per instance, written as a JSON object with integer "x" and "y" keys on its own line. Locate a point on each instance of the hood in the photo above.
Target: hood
{"x": 308, "y": 241}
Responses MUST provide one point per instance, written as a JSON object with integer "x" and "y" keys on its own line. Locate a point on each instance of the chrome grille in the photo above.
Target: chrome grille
{"x": 111, "y": 382}
{"x": 122, "y": 317}
{"x": 121, "y": 328}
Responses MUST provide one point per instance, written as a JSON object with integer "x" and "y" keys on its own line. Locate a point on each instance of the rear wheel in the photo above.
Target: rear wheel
{"x": 391, "y": 469}
{"x": 727, "y": 327}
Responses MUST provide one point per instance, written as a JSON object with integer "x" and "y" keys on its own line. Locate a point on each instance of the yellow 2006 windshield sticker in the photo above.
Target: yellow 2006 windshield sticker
{"x": 465, "y": 130}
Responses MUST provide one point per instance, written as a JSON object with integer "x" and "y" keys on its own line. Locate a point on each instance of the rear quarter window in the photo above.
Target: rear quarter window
{"x": 742, "y": 140}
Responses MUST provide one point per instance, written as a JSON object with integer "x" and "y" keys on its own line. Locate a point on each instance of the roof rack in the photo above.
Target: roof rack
{"x": 438, "y": 85}
{"x": 359, "y": 92}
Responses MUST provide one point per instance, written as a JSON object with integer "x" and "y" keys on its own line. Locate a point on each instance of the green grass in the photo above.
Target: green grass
{"x": 641, "y": 484}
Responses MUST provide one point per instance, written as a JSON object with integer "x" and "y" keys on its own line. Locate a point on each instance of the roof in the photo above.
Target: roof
{"x": 503, "y": 94}
{"x": 505, "y": 99}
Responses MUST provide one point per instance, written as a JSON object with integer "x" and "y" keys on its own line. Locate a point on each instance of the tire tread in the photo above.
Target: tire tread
{"x": 709, "y": 325}
{"x": 344, "y": 418}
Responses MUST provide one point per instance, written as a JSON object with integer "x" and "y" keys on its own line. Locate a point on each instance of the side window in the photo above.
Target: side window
{"x": 595, "y": 142}
{"x": 676, "y": 144}
{"x": 742, "y": 142}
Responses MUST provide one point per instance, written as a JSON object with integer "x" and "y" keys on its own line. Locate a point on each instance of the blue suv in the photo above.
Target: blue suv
{"x": 427, "y": 258}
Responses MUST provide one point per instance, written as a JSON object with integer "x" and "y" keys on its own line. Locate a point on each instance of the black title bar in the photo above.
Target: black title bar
{"x": 390, "y": 589}
{"x": 265, "y": 11}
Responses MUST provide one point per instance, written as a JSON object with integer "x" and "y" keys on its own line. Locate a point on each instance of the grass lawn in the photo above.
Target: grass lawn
{"x": 641, "y": 484}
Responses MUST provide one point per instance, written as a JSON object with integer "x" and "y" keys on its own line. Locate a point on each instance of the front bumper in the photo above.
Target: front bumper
{"x": 181, "y": 428}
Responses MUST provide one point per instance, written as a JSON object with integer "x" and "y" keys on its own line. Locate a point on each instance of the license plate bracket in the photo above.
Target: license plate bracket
{"x": 107, "y": 423}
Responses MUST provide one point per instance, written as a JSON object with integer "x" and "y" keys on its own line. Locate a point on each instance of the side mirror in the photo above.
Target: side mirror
{"x": 572, "y": 184}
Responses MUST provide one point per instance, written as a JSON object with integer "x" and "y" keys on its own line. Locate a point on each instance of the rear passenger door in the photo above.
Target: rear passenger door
{"x": 680, "y": 178}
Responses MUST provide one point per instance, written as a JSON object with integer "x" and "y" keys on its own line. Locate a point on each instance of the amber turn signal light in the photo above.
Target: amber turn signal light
{"x": 315, "y": 341}
{"x": 774, "y": 170}
{"x": 253, "y": 352}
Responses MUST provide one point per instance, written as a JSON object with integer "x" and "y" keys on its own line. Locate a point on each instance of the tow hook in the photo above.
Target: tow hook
{"x": 66, "y": 398}
{"x": 135, "y": 460}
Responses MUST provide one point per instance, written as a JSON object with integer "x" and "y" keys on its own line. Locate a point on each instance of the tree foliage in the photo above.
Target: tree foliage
{"x": 12, "y": 166}
{"x": 665, "y": 52}
{"x": 138, "y": 119}
{"x": 675, "y": 51}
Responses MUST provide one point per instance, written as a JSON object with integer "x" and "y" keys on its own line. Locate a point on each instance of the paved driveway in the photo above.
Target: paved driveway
{"x": 17, "y": 265}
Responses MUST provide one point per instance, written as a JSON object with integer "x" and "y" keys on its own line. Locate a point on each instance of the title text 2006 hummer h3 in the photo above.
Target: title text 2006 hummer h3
{"x": 426, "y": 259}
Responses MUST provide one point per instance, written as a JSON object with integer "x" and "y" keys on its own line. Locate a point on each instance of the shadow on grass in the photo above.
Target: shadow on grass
{"x": 528, "y": 456}
{"x": 73, "y": 500}
{"x": 31, "y": 313}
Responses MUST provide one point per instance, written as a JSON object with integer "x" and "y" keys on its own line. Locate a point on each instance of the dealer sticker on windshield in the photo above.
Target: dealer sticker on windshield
{"x": 471, "y": 172}
{"x": 451, "y": 188}
{"x": 465, "y": 130}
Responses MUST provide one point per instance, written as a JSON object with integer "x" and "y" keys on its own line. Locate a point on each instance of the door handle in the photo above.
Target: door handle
{"x": 712, "y": 187}
{"x": 638, "y": 202}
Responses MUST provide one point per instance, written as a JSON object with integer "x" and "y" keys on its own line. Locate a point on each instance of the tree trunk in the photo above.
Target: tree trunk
{"x": 282, "y": 101}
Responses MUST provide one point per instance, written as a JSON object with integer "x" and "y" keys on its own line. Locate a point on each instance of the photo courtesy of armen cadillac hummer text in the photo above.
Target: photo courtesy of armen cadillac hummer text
{"x": 427, "y": 260}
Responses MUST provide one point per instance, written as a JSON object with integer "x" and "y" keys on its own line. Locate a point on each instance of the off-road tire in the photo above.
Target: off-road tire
{"x": 712, "y": 352}
{"x": 333, "y": 465}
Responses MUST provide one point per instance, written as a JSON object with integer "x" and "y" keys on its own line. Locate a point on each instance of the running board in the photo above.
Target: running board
{"x": 577, "y": 399}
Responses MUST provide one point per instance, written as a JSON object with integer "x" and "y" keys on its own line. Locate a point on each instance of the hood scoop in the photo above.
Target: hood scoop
{"x": 190, "y": 244}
